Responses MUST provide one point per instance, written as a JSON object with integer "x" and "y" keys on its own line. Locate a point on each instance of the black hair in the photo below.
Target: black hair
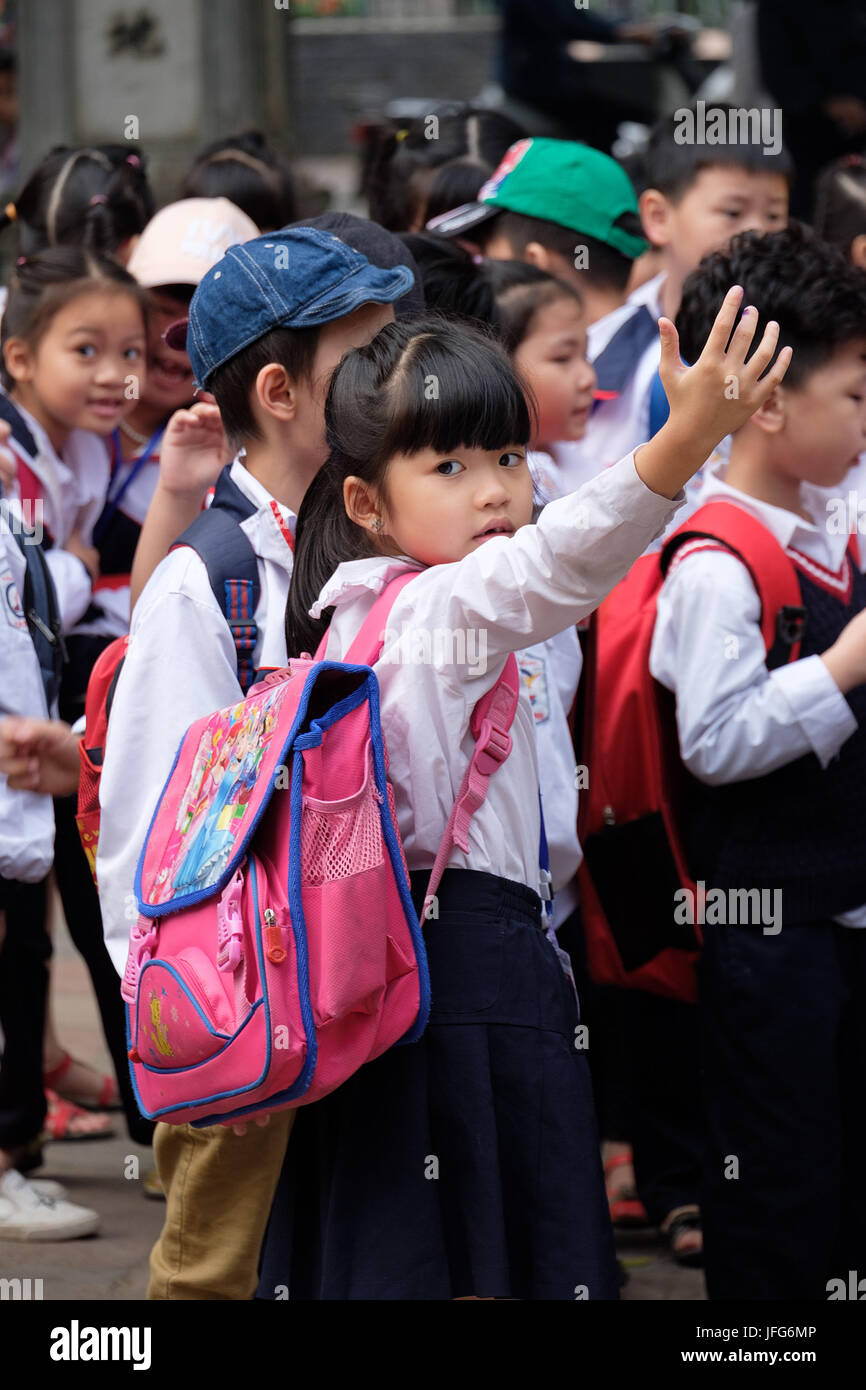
{"x": 410, "y": 173}
{"x": 8, "y": 60}
{"x": 606, "y": 267}
{"x": 252, "y": 175}
{"x": 43, "y": 284}
{"x": 232, "y": 384}
{"x": 96, "y": 197}
{"x": 381, "y": 248}
{"x": 815, "y": 295}
{"x": 840, "y": 201}
{"x": 503, "y": 295}
{"x": 672, "y": 167}
{"x": 380, "y": 404}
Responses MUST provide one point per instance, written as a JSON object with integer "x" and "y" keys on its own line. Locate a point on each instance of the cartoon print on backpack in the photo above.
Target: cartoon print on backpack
{"x": 211, "y": 817}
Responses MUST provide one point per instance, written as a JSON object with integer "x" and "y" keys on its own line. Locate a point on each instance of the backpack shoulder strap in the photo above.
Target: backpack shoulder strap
{"x": 727, "y": 526}
{"x": 490, "y": 724}
{"x": 41, "y": 607}
{"x": 232, "y": 569}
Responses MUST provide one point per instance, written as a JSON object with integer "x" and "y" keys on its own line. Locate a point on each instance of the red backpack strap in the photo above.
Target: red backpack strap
{"x": 723, "y": 525}
{"x": 490, "y": 724}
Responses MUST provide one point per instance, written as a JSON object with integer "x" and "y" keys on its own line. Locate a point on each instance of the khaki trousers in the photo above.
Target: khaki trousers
{"x": 219, "y": 1189}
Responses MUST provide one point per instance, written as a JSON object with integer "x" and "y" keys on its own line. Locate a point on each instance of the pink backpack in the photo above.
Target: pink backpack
{"x": 278, "y": 948}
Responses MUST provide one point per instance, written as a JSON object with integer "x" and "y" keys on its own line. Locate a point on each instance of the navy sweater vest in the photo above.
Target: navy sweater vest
{"x": 801, "y": 829}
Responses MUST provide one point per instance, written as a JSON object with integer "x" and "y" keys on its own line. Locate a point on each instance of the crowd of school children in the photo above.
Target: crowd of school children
{"x": 607, "y": 361}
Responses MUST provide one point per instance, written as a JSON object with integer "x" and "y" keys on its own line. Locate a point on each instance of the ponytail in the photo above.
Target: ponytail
{"x": 325, "y": 535}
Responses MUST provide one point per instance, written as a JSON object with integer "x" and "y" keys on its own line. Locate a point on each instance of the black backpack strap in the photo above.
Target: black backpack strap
{"x": 21, "y": 432}
{"x": 41, "y": 608}
{"x": 232, "y": 568}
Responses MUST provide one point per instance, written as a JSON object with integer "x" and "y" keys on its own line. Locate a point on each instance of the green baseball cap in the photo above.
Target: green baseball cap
{"x": 560, "y": 181}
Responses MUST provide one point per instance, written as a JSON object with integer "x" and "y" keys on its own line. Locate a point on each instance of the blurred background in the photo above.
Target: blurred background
{"x": 328, "y": 82}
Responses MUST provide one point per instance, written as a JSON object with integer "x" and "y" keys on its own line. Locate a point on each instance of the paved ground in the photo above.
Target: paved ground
{"x": 102, "y": 1174}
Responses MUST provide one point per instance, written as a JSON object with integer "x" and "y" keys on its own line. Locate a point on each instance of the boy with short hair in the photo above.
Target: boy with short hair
{"x": 775, "y": 795}
{"x": 562, "y": 206}
{"x": 695, "y": 198}
{"x": 268, "y": 324}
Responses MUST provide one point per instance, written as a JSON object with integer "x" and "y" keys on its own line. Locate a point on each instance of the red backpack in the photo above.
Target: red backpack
{"x": 629, "y": 816}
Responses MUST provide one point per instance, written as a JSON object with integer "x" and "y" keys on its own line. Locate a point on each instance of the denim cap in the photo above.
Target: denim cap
{"x": 295, "y": 278}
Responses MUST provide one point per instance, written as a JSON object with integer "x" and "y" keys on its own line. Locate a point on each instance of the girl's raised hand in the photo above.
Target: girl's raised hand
{"x": 722, "y": 390}
{"x": 194, "y": 450}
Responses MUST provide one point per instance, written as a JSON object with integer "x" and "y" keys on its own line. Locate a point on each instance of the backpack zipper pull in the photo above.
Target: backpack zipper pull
{"x": 274, "y": 948}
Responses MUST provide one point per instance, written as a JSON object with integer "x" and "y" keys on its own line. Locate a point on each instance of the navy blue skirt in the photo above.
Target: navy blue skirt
{"x": 466, "y": 1163}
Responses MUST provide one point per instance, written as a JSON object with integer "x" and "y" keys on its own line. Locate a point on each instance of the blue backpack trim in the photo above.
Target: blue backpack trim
{"x": 367, "y": 690}
{"x": 232, "y": 569}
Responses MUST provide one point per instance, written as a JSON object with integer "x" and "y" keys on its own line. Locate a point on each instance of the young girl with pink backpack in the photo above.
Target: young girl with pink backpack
{"x": 465, "y": 1164}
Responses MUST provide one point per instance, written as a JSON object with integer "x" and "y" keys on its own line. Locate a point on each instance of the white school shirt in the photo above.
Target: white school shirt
{"x": 617, "y": 426}
{"x": 181, "y": 664}
{"x": 112, "y": 599}
{"x": 26, "y": 818}
{"x": 509, "y": 592}
{"x": 551, "y": 670}
{"x": 73, "y": 495}
{"x": 736, "y": 719}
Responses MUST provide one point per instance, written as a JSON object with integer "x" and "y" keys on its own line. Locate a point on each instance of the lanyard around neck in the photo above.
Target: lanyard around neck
{"x": 112, "y": 502}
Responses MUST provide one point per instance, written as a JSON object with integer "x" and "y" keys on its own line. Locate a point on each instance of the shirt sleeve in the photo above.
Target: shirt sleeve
{"x": 736, "y": 719}
{"x": 72, "y": 584}
{"x": 513, "y": 592}
{"x": 181, "y": 664}
{"x": 26, "y": 818}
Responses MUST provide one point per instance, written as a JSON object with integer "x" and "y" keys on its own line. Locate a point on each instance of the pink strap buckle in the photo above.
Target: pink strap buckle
{"x": 492, "y": 748}
{"x": 141, "y": 944}
{"x": 230, "y": 927}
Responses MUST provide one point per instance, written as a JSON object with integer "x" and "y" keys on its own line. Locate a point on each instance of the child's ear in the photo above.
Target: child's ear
{"x": 655, "y": 214}
{"x": 538, "y": 255}
{"x": 18, "y": 359}
{"x": 360, "y": 503}
{"x": 771, "y": 417}
{"x": 858, "y": 251}
{"x": 274, "y": 390}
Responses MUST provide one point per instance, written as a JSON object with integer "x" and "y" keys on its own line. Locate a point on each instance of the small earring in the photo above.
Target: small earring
{"x": 377, "y": 524}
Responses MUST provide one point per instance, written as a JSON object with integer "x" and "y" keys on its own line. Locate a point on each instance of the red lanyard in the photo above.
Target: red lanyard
{"x": 287, "y": 535}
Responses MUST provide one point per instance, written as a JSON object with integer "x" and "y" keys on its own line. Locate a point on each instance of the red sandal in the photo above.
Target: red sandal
{"x": 63, "y": 1120}
{"x": 108, "y": 1098}
{"x": 626, "y": 1208}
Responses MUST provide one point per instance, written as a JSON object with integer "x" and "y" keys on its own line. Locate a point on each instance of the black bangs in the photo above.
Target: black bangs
{"x": 453, "y": 389}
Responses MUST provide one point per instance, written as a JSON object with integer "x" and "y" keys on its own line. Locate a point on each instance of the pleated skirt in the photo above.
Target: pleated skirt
{"x": 466, "y": 1163}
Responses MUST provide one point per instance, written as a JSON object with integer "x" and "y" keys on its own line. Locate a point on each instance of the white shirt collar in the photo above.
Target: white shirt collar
{"x": 269, "y": 539}
{"x": 650, "y": 294}
{"x": 355, "y": 577}
{"x": 792, "y": 532}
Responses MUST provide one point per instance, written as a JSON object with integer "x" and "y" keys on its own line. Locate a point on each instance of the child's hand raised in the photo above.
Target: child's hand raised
{"x": 194, "y": 451}
{"x": 712, "y": 398}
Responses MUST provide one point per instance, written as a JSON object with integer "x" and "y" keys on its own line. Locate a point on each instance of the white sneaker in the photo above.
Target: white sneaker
{"x": 47, "y": 1187}
{"x": 27, "y": 1215}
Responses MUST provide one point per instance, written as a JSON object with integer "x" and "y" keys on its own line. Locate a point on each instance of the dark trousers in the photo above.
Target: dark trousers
{"x": 24, "y": 958}
{"x": 667, "y": 1129}
{"x": 81, "y": 900}
{"x": 784, "y": 1046}
{"x": 81, "y": 910}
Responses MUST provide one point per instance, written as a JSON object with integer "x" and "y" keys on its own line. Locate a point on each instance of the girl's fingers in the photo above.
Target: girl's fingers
{"x": 744, "y": 334}
{"x": 779, "y": 368}
{"x": 725, "y": 319}
{"x": 670, "y": 365}
{"x": 763, "y": 353}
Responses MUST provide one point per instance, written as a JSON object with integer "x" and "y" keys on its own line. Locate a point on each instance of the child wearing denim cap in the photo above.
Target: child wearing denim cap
{"x": 267, "y": 325}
